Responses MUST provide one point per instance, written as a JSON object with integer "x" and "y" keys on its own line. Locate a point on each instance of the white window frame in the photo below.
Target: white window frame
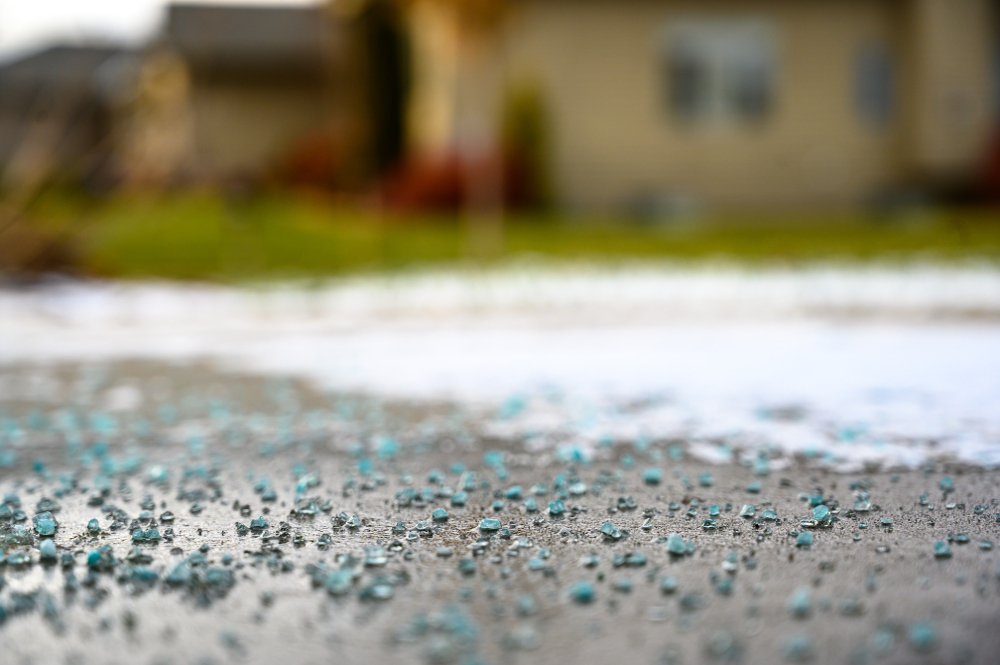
{"x": 720, "y": 46}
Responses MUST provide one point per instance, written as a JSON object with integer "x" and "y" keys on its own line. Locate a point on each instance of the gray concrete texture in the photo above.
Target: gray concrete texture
{"x": 870, "y": 589}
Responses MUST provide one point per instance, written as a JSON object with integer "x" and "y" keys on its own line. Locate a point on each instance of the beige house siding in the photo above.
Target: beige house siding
{"x": 613, "y": 136}
{"x": 952, "y": 49}
{"x": 240, "y": 128}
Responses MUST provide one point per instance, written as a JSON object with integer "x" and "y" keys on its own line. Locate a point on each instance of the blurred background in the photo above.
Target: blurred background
{"x": 235, "y": 141}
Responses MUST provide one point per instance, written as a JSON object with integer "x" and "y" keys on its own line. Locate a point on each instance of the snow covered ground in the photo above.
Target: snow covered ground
{"x": 847, "y": 364}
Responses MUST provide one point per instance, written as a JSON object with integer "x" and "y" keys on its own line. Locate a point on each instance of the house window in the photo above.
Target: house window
{"x": 874, "y": 87}
{"x": 719, "y": 71}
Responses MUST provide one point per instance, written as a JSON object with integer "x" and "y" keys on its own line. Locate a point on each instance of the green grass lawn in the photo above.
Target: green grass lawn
{"x": 200, "y": 236}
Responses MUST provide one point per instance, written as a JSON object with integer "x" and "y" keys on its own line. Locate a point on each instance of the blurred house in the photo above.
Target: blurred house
{"x": 661, "y": 103}
{"x": 57, "y": 112}
{"x": 301, "y": 95}
{"x": 260, "y": 79}
{"x": 225, "y": 93}
{"x": 654, "y": 105}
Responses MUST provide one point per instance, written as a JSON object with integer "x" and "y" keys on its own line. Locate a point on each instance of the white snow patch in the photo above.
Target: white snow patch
{"x": 877, "y": 364}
